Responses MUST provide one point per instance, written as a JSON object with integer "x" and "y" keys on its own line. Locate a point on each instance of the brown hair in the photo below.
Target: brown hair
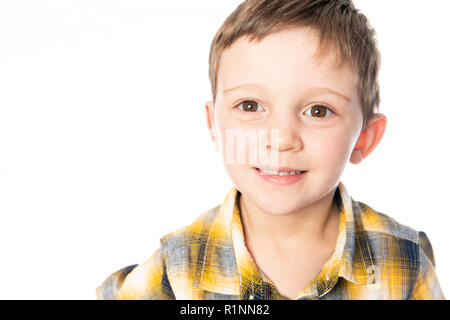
{"x": 340, "y": 26}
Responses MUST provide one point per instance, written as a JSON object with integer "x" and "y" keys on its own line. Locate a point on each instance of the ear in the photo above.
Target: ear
{"x": 210, "y": 119}
{"x": 369, "y": 138}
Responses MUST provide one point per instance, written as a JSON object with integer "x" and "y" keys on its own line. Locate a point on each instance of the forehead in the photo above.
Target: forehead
{"x": 285, "y": 61}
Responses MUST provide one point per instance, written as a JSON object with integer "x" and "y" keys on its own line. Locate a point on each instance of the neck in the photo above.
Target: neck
{"x": 314, "y": 224}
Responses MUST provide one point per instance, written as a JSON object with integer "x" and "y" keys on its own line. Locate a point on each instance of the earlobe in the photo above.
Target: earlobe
{"x": 356, "y": 156}
{"x": 369, "y": 138}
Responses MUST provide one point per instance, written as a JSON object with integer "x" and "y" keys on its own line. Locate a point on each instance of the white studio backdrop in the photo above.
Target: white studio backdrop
{"x": 104, "y": 146}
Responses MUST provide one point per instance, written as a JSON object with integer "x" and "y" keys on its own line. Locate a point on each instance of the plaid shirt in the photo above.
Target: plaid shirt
{"x": 375, "y": 258}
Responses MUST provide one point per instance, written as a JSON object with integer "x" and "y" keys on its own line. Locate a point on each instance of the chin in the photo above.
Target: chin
{"x": 281, "y": 204}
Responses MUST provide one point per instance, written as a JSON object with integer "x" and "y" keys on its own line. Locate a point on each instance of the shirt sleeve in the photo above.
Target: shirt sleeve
{"x": 427, "y": 285}
{"x": 147, "y": 281}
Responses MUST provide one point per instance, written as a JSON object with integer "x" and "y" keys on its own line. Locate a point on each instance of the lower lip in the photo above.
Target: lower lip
{"x": 280, "y": 180}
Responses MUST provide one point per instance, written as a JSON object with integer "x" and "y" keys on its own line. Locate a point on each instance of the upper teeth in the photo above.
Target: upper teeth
{"x": 285, "y": 173}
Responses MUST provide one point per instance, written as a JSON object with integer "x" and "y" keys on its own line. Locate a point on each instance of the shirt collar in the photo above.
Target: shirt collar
{"x": 247, "y": 282}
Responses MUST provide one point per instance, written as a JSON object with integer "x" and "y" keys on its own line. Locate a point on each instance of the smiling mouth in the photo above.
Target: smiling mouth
{"x": 281, "y": 172}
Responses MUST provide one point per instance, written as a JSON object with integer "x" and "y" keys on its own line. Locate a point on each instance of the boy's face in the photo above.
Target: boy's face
{"x": 313, "y": 104}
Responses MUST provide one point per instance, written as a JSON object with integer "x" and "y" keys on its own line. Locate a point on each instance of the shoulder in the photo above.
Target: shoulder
{"x": 403, "y": 256}
{"x": 390, "y": 237}
{"x": 194, "y": 234}
{"x": 147, "y": 280}
{"x": 178, "y": 252}
{"x": 108, "y": 289}
{"x": 376, "y": 222}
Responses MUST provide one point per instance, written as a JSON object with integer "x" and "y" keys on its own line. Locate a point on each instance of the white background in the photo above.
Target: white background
{"x": 104, "y": 146}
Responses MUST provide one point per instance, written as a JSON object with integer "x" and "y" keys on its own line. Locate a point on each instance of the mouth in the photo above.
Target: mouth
{"x": 280, "y": 177}
{"x": 280, "y": 172}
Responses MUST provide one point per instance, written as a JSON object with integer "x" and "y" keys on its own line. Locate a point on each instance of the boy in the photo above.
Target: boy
{"x": 305, "y": 71}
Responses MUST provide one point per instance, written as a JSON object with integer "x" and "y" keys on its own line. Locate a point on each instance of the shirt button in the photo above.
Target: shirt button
{"x": 371, "y": 274}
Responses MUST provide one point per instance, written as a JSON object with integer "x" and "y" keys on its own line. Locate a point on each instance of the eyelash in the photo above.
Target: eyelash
{"x": 314, "y": 105}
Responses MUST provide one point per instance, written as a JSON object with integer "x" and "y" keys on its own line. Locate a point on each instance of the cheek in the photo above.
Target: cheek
{"x": 329, "y": 150}
{"x": 239, "y": 145}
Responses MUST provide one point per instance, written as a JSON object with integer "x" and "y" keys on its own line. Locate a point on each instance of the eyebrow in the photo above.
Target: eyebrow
{"x": 319, "y": 89}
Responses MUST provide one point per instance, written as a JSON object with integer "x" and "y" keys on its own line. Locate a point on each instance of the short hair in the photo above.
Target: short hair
{"x": 339, "y": 25}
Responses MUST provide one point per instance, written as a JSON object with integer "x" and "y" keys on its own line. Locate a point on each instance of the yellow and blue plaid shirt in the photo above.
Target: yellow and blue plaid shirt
{"x": 375, "y": 258}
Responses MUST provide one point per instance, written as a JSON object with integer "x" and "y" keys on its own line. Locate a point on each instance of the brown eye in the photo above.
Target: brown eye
{"x": 249, "y": 106}
{"x": 319, "y": 111}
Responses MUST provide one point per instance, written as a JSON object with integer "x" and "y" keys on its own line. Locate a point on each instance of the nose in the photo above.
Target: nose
{"x": 285, "y": 137}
